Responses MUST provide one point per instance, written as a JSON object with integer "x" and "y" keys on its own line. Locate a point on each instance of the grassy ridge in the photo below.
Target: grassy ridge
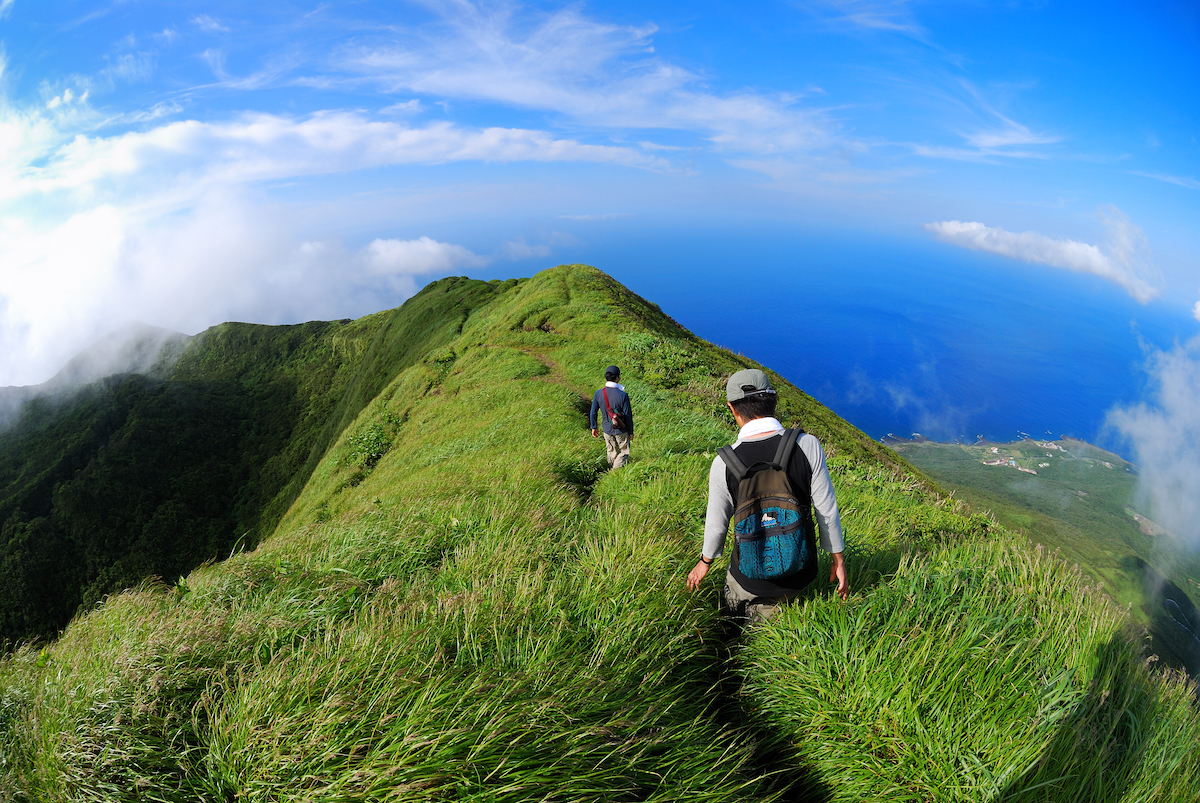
{"x": 140, "y": 476}
{"x": 461, "y": 604}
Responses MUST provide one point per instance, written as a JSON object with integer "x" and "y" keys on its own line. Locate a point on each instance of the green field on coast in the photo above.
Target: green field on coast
{"x": 1079, "y": 499}
{"x": 453, "y": 599}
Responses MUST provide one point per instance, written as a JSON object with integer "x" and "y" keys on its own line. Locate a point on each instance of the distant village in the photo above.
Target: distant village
{"x": 1050, "y": 446}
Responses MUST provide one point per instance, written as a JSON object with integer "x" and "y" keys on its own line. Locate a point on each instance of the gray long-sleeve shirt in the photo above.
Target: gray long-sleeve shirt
{"x": 720, "y": 502}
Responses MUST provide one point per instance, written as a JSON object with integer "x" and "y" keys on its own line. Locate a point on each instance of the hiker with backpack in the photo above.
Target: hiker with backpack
{"x": 768, "y": 482}
{"x": 616, "y": 417}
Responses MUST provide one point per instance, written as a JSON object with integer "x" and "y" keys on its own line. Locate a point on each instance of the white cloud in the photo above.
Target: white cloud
{"x": 1181, "y": 181}
{"x": 1124, "y": 259}
{"x": 1010, "y": 133}
{"x": 227, "y": 257}
{"x": 593, "y": 72}
{"x": 406, "y": 107}
{"x": 209, "y": 24}
{"x": 67, "y": 98}
{"x": 406, "y": 258}
{"x": 885, "y": 15}
{"x": 1196, "y": 311}
{"x": 5, "y": 7}
{"x": 1165, "y": 436}
{"x": 166, "y": 225}
{"x": 261, "y": 147}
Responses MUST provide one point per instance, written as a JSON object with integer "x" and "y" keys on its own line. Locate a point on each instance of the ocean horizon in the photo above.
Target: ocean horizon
{"x": 902, "y": 336}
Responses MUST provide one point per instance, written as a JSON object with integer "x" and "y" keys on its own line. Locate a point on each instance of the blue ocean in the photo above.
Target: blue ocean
{"x": 903, "y": 335}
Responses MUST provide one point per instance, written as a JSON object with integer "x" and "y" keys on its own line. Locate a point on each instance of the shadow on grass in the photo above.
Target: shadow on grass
{"x": 789, "y": 777}
{"x": 786, "y": 773}
{"x": 583, "y": 405}
{"x": 1174, "y": 620}
{"x": 1099, "y": 746}
{"x": 786, "y": 776}
{"x": 581, "y": 475}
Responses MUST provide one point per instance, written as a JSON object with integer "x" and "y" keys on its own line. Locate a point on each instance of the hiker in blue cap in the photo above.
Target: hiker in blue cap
{"x": 616, "y": 417}
{"x": 769, "y": 481}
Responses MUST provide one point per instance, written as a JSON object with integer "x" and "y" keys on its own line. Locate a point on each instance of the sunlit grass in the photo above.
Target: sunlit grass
{"x": 487, "y": 614}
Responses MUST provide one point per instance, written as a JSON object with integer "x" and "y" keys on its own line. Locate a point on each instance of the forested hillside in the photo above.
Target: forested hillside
{"x": 142, "y": 476}
{"x": 451, "y": 598}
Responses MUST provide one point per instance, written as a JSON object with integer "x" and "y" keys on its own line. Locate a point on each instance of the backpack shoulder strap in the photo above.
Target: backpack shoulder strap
{"x": 787, "y": 445}
{"x": 734, "y": 462}
{"x": 806, "y": 467}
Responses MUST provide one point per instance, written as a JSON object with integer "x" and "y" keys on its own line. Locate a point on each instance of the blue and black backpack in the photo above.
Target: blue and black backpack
{"x": 769, "y": 521}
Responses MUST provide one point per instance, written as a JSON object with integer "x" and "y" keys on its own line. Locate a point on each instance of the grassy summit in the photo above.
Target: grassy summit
{"x": 459, "y": 603}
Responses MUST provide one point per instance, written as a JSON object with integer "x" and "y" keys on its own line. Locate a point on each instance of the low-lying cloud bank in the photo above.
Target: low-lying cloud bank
{"x": 225, "y": 258}
{"x": 1123, "y": 260}
{"x": 1165, "y": 436}
{"x": 174, "y": 226}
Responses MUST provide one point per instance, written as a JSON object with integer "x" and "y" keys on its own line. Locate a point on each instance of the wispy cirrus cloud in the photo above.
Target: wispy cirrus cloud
{"x": 884, "y": 15}
{"x": 990, "y": 135}
{"x": 1123, "y": 260}
{"x": 1180, "y": 181}
{"x": 209, "y": 24}
{"x": 260, "y": 147}
{"x": 1008, "y": 134}
{"x": 601, "y": 74}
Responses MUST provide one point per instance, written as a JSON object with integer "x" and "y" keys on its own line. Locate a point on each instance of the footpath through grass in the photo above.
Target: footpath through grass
{"x": 463, "y": 604}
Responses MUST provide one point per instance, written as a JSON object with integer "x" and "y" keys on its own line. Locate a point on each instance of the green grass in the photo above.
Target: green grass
{"x": 462, "y": 604}
{"x": 981, "y": 671}
{"x": 1080, "y": 506}
{"x": 139, "y": 476}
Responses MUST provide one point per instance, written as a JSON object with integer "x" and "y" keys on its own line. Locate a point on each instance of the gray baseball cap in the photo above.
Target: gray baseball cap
{"x": 748, "y": 382}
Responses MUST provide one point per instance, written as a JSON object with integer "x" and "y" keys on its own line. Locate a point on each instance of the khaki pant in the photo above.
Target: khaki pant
{"x": 618, "y": 448}
{"x": 741, "y": 604}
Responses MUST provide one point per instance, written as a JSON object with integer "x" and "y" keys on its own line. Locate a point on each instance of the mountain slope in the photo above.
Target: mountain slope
{"x": 462, "y": 604}
{"x": 150, "y": 475}
{"x": 1081, "y": 501}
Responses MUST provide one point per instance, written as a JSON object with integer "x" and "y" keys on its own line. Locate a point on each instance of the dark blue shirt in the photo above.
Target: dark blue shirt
{"x": 619, "y": 401}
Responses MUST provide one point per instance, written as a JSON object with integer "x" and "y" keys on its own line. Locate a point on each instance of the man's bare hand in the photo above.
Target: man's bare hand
{"x": 595, "y": 433}
{"x": 837, "y": 574}
{"x": 696, "y": 575}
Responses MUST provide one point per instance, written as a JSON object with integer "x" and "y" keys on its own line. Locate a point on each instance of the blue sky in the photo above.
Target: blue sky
{"x": 188, "y": 163}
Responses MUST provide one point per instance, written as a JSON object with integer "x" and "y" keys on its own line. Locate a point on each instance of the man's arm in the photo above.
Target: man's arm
{"x": 829, "y": 520}
{"x": 628, "y": 413}
{"x": 716, "y": 522}
{"x": 592, "y": 415}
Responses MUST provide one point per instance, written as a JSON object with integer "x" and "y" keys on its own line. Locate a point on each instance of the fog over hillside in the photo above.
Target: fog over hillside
{"x": 1165, "y": 435}
{"x": 133, "y": 349}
